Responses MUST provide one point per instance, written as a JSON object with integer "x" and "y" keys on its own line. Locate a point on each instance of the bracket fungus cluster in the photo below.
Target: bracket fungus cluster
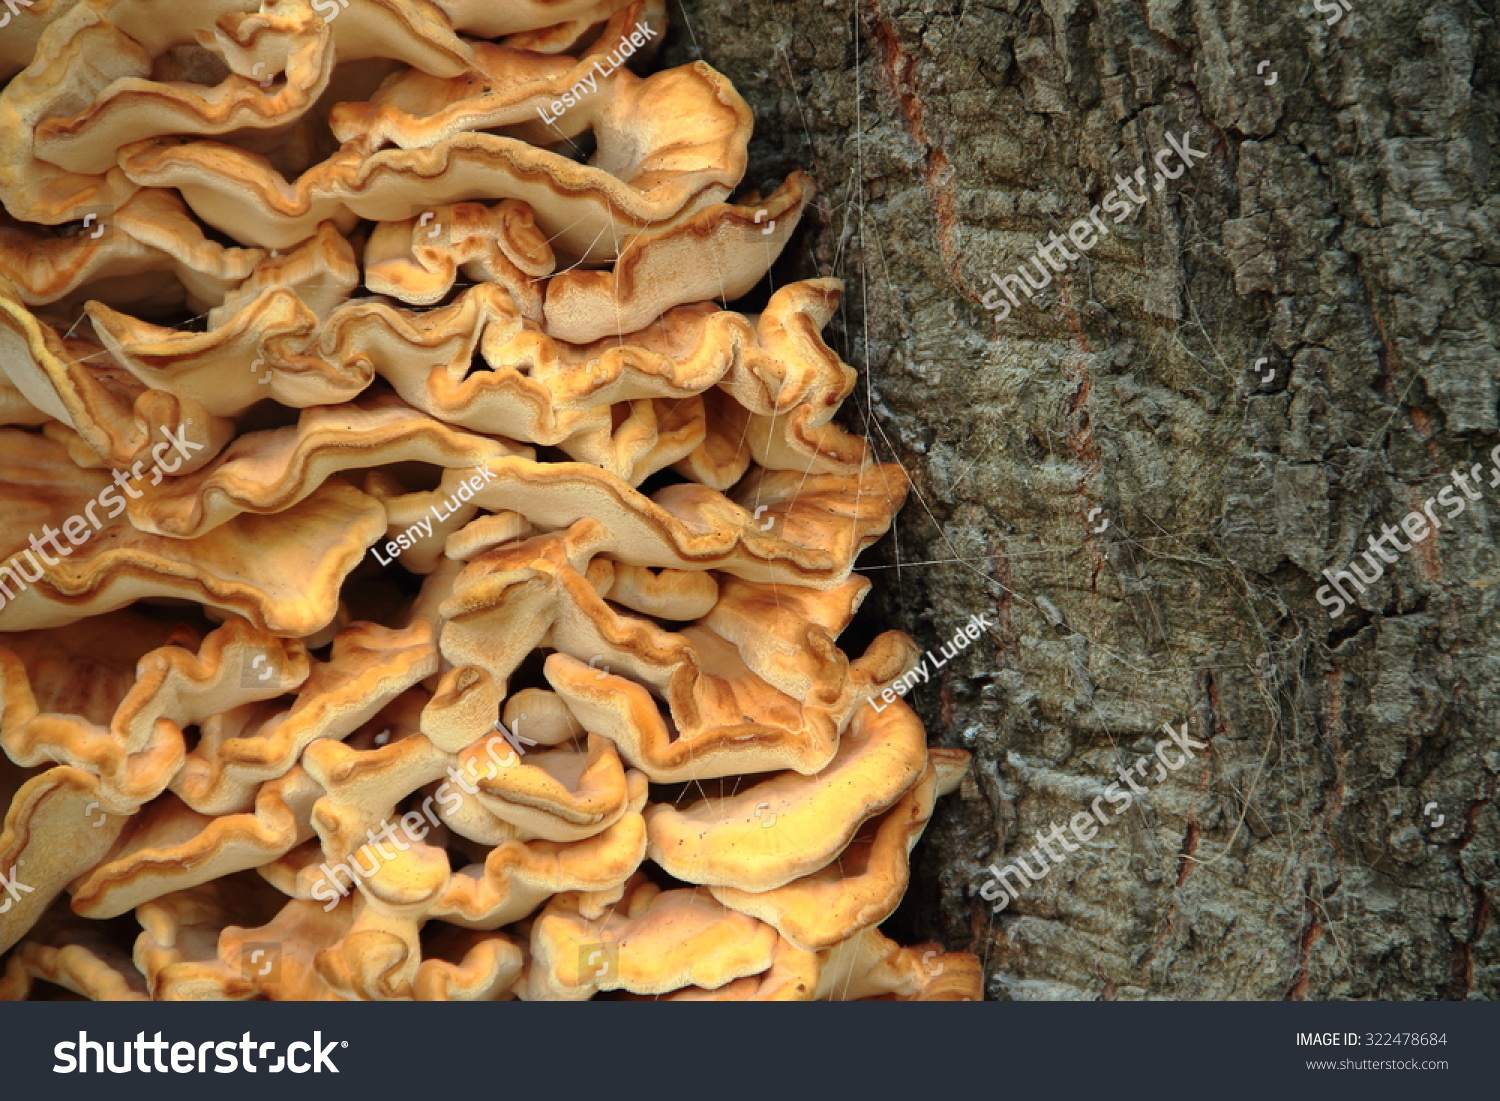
{"x": 414, "y": 583}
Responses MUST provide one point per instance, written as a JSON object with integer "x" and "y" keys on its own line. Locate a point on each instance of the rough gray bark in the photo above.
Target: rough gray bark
{"x": 1344, "y": 227}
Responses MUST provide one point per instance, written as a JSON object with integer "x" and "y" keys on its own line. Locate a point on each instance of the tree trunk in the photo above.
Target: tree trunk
{"x": 1116, "y": 478}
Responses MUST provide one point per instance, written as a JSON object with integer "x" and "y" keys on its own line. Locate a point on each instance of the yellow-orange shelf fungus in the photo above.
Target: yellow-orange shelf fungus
{"x": 410, "y": 558}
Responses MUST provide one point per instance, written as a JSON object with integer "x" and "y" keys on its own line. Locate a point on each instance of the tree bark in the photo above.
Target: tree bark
{"x": 1341, "y": 233}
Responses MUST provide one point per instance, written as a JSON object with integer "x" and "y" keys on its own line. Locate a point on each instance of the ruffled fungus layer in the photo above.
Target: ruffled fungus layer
{"x": 416, "y": 583}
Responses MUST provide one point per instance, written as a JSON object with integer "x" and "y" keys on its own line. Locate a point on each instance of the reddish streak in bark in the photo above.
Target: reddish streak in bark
{"x": 937, "y": 174}
{"x": 1388, "y": 357}
{"x": 1194, "y": 833}
{"x": 1333, "y": 706}
{"x": 1310, "y": 937}
{"x": 1429, "y": 564}
{"x": 1422, "y": 423}
{"x": 1189, "y": 847}
{"x": 1463, "y": 962}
